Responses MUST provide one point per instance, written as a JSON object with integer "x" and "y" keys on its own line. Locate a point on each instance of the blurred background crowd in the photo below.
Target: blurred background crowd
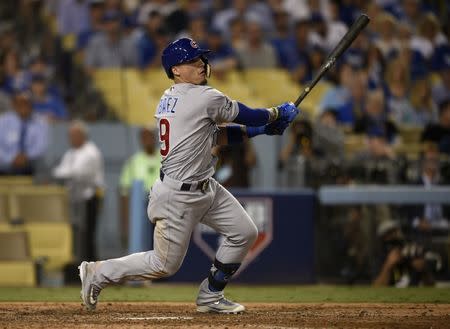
{"x": 383, "y": 116}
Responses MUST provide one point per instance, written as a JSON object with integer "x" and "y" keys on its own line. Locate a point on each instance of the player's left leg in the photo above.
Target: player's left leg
{"x": 228, "y": 218}
{"x": 174, "y": 222}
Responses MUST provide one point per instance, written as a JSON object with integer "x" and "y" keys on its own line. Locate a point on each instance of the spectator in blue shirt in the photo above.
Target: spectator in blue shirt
{"x": 96, "y": 12}
{"x": 283, "y": 41}
{"x": 300, "y": 67}
{"x": 44, "y": 102}
{"x": 147, "y": 47}
{"x": 23, "y": 137}
{"x": 110, "y": 48}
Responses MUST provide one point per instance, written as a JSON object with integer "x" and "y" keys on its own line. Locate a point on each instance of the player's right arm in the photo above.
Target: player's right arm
{"x": 252, "y": 122}
{"x": 221, "y": 109}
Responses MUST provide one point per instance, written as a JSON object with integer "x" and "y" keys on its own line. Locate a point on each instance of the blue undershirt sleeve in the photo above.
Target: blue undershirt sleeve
{"x": 251, "y": 117}
{"x": 235, "y": 134}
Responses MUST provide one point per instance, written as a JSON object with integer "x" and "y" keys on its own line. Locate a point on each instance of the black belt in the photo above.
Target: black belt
{"x": 201, "y": 185}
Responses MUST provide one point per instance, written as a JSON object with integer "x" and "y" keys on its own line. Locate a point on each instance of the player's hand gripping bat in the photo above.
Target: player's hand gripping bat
{"x": 345, "y": 42}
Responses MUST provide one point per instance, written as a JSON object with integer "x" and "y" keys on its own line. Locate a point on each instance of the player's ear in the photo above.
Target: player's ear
{"x": 175, "y": 71}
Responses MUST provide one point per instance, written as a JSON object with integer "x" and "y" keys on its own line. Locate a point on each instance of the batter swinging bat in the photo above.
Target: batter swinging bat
{"x": 345, "y": 42}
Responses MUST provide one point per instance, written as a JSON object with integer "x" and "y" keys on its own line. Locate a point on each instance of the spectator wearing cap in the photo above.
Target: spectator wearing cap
{"x": 110, "y": 49}
{"x": 256, "y": 52}
{"x": 441, "y": 65}
{"x": 439, "y": 133}
{"x": 44, "y": 102}
{"x": 23, "y": 137}
{"x": 41, "y": 66}
{"x": 96, "y": 12}
{"x": 146, "y": 44}
{"x": 222, "y": 57}
{"x": 374, "y": 118}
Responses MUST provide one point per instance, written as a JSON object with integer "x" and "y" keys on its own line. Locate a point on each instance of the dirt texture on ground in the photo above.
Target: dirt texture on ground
{"x": 183, "y": 315}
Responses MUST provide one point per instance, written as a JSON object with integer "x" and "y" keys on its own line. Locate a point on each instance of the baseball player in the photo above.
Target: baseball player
{"x": 191, "y": 118}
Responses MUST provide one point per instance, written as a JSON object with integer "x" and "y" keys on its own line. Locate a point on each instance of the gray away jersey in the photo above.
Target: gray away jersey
{"x": 187, "y": 118}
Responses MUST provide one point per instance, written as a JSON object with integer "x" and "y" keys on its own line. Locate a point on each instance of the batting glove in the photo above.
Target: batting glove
{"x": 287, "y": 112}
{"x": 276, "y": 128}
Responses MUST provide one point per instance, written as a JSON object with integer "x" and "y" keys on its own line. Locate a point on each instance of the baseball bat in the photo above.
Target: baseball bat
{"x": 343, "y": 44}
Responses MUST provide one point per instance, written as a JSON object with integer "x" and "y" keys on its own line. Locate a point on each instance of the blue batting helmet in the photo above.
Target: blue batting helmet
{"x": 181, "y": 51}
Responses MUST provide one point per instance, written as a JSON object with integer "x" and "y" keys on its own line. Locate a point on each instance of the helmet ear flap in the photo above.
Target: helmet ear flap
{"x": 207, "y": 66}
{"x": 170, "y": 74}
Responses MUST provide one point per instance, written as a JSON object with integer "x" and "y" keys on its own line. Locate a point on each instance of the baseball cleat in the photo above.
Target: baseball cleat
{"x": 221, "y": 306}
{"x": 89, "y": 291}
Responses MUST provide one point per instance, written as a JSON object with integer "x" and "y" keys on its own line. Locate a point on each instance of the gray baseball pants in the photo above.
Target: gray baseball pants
{"x": 175, "y": 214}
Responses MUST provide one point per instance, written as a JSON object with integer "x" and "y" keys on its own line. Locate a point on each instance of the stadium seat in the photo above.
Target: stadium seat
{"x": 39, "y": 203}
{"x": 48, "y": 241}
{"x": 141, "y": 102}
{"x": 16, "y": 265}
{"x": 51, "y": 241}
{"x": 274, "y": 86}
{"x": 157, "y": 82}
{"x": 234, "y": 86}
{"x": 410, "y": 150}
{"x": 16, "y": 180}
{"x": 410, "y": 134}
{"x": 7, "y": 184}
{"x": 111, "y": 83}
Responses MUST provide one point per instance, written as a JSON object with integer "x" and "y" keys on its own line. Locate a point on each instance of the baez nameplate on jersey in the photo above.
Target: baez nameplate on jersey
{"x": 260, "y": 210}
{"x": 167, "y": 106}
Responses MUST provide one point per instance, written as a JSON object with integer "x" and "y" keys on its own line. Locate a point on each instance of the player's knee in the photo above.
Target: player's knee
{"x": 170, "y": 267}
{"x": 164, "y": 267}
{"x": 250, "y": 234}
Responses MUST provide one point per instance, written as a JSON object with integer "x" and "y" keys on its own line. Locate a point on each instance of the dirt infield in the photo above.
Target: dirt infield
{"x": 183, "y": 315}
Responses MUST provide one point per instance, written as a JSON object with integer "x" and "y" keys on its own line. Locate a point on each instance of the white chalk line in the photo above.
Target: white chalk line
{"x": 157, "y": 318}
